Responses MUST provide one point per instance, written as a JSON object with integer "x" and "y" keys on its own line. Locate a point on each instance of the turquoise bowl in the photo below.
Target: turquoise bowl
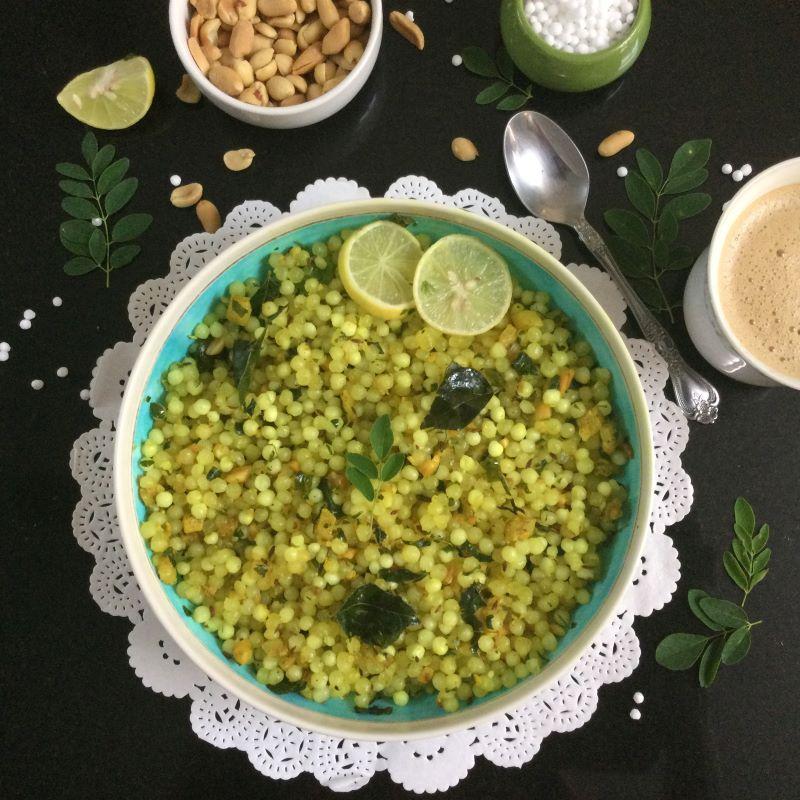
{"x": 570, "y": 72}
{"x": 169, "y": 340}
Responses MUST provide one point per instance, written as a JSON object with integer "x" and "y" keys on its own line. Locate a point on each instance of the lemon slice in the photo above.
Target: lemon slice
{"x": 461, "y": 286}
{"x": 376, "y": 265}
{"x": 111, "y": 97}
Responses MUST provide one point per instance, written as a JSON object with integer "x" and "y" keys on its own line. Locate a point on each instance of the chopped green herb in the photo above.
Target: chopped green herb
{"x": 401, "y": 575}
{"x": 524, "y": 365}
{"x": 213, "y": 473}
{"x": 327, "y": 497}
{"x": 287, "y": 687}
{"x": 158, "y": 411}
{"x": 304, "y": 483}
{"x": 373, "y": 710}
{"x": 471, "y": 601}
{"x": 462, "y": 395}
{"x": 375, "y": 616}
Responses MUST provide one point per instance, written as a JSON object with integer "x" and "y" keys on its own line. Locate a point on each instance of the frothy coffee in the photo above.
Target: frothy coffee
{"x": 759, "y": 279}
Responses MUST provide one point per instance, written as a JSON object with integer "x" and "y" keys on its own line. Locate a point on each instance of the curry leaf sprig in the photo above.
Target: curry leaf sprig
{"x": 645, "y": 243}
{"x": 730, "y": 638}
{"x": 504, "y": 91}
{"x": 93, "y": 194}
{"x": 363, "y": 471}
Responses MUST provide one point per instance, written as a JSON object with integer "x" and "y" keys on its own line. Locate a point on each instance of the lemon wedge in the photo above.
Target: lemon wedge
{"x": 461, "y": 286}
{"x": 376, "y": 265}
{"x": 112, "y": 97}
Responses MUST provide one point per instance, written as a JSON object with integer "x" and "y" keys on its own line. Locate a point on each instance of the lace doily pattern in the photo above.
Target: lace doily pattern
{"x": 280, "y": 750}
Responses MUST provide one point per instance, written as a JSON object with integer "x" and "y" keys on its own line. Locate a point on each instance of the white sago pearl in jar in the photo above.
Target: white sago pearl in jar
{"x": 581, "y": 26}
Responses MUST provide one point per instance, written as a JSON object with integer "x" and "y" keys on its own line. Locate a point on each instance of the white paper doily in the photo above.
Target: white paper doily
{"x": 280, "y": 750}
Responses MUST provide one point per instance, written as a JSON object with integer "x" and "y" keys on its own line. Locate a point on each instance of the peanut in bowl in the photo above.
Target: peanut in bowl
{"x": 485, "y": 606}
{"x": 308, "y": 85}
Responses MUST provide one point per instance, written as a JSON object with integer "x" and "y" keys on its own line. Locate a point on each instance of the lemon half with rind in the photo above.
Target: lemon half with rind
{"x": 462, "y": 287}
{"x": 376, "y": 266}
{"x": 111, "y": 97}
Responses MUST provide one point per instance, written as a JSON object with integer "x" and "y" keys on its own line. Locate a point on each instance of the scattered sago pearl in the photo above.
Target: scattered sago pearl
{"x": 57, "y": 301}
{"x": 4, "y": 347}
{"x": 638, "y": 697}
{"x": 727, "y": 169}
{"x": 175, "y": 180}
{"x": 3, "y": 355}
{"x": 25, "y": 324}
{"x": 28, "y": 314}
{"x": 737, "y": 175}
{"x": 747, "y": 169}
{"x": 635, "y": 713}
{"x": 84, "y": 394}
{"x": 62, "y": 372}
{"x": 622, "y": 171}
{"x": 37, "y": 384}
{"x": 456, "y": 60}
{"x": 97, "y": 222}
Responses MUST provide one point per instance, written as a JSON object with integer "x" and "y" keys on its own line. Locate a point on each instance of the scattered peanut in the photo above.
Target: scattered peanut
{"x": 615, "y": 142}
{"x": 280, "y": 52}
{"x": 237, "y": 160}
{"x": 464, "y": 149}
{"x": 407, "y": 29}
{"x": 209, "y": 217}
{"x": 186, "y": 195}
{"x": 188, "y": 92}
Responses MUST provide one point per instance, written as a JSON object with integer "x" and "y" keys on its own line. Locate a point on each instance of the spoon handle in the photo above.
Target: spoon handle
{"x": 697, "y": 398}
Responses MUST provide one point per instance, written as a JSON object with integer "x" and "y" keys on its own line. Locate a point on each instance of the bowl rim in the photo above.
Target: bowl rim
{"x": 173, "y": 622}
{"x": 618, "y": 48}
{"x": 178, "y": 13}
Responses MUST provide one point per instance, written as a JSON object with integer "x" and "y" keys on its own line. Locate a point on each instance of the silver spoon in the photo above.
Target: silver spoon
{"x": 552, "y": 180}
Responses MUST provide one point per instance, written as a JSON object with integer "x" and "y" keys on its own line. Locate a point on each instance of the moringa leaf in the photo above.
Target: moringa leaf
{"x": 75, "y": 234}
{"x": 75, "y": 188}
{"x": 640, "y": 194}
{"x": 362, "y": 464}
{"x": 737, "y": 646}
{"x": 512, "y": 102}
{"x": 660, "y": 254}
{"x": 80, "y": 266}
{"x": 79, "y": 207}
{"x": 667, "y": 227}
{"x": 105, "y": 155}
{"x": 375, "y": 616}
{"x": 685, "y": 182}
{"x": 392, "y": 466}
{"x": 491, "y": 93}
{"x": 734, "y": 570}
{"x": 381, "y": 437}
{"x": 761, "y": 560}
{"x": 650, "y": 168}
{"x": 694, "y": 597}
{"x": 123, "y": 256}
{"x": 243, "y": 356}
{"x": 112, "y": 175}
{"x": 709, "y": 663}
{"x": 680, "y": 650}
{"x": 462, "y": 395}
{"x": 97, "y": 245}
{"x": 401, "y": 575}
{"x": 89, "y": 148}
{"x": 628, "y": 226}
{"x": 744, "y": 516}
{"x": 760, "y": 540}
{"x": 505, "y": 65}
{"x": 723, "y": 612}
{"x": 757, "y": 578}
{"x": 688, "y": 205}
{"x": 479, "y": 62}
{"x": 633, "y": 260}
{"x": 119, "y": 196}
{"x": 285, "y": 686}
{"x": 361, "y": 482}
{"x": 73, "y": 171}
{"x": 130, "y": 227}
{"x": 690, "y": 156}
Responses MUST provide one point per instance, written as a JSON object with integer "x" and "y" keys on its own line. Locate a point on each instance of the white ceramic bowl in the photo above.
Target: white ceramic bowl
{"x": 293, "y": 116}
{"x": 168, "y": 341}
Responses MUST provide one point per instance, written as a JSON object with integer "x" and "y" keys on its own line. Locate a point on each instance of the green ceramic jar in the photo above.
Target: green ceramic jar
{"x": 570, "y": 72}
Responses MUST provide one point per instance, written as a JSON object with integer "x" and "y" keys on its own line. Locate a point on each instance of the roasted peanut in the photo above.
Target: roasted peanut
{"x": 407, "y": 29}
{"x": 332, "y": 83}
{"x": 194, "y": 26}
{"x": 267, "y": 71}
{"x": 309, "y": 6}
{"x": 464, "y": 149}
{"x": 260, "y": 42}
{"x": 209, "y": 31}
{"x": 225, "y": 79}
{"x": 277, "y": 8}
{"x": 336, "y": 39}
{"x": 227, "y": 13}
{"x": 308, "y": 60}
{"x": 223, "y": 38}
{"x": 284, "y": 63}
{"x": 312, "y": 32}
{"x": 615, "y": 142}
{"x": 186, "y": 195}
{"x": 255, "y": 94}
{"x": 188, "y": 92}
{"x": 299, "y": 82}
{"x": 286, "y": 21}
{"x": 286, "y": 47}
{"x": 356, "y": 31}
{"x": 238, "y": 160}
{"x": 198, "y": 55}
{"x": 328, "y": 13}
{"x": 324, "y": 72}
{"x": 211, "y": 52}
{"x": 266, "y": 30}
{"x": 246, "y": 9}
{"x": 206, "y": 8}
{"x": 352, "y": 53}
{"x": 245, "y": 71}
{"x": 209, "y": 217}
{"x": 262, "y": 58}
{"x": 359, "y": 12}
{"x": 314, "y": 91}
{"x": 241, "y": 43}
{"x": 294, "y": 100}
{"x": 279, "y": 88}
{"x": 287, "y": 33}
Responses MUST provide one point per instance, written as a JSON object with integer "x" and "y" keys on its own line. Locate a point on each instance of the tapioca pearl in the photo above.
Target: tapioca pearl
{"x": 62, "y": 372}
{"x": 37, "y": 384}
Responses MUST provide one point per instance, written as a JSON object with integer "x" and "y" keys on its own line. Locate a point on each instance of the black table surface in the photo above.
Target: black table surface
{"x": 77, "y": 722}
